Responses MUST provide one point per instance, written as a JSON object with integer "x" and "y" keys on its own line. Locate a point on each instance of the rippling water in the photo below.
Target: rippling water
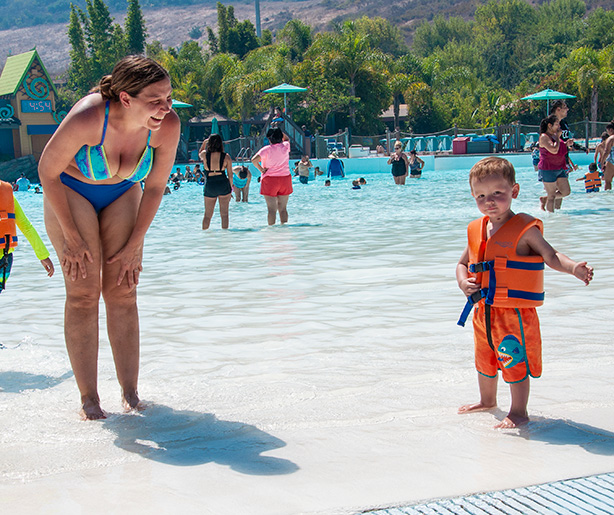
{"x": 346, "y": 315}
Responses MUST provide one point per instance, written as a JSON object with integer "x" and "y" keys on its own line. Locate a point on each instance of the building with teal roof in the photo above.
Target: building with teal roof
{"x": 28, "y": 115}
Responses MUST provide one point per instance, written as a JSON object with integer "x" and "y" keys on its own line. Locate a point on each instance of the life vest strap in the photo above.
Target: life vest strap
{"x": 471, "y": 301}
{"x": 3, "y": 240}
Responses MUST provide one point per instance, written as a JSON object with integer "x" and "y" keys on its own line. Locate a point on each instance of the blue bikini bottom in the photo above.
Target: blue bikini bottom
{"x": 99, "y": 195}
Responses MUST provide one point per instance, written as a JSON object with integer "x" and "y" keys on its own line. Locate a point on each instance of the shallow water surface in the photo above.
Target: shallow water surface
{"x": 344, "y": 317}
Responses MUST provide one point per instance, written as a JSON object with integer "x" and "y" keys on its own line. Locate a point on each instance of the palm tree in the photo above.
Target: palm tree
{"x": 590, "y": 71}
{"x": 347, "y": 52}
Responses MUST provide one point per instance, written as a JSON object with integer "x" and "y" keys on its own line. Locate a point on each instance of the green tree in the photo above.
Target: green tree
{"x": 298, "y": 37}
{"x": 348, "y": 53}
{"x": 599, "y": 31}
{"x": 242, "y": 38}
{"x": 382, "y": 34}
{"x": 99, "y": 36}
{"x": 430, "y": 36}
{"x": 136, "y": 32}
{"x": 213, "y": 41}
{"x": 80, "y": 77}
{"x": 591, "y": 71}
{"x": 504, "y": 33}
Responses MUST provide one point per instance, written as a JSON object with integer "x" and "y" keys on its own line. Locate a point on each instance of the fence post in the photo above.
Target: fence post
{"x": 455, "y": 131}
{"x": 586, "y": 131}
{"x": 387, "y": 140}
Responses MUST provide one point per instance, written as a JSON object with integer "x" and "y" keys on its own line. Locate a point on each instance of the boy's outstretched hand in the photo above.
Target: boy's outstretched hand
{"x": 583, "y": 272}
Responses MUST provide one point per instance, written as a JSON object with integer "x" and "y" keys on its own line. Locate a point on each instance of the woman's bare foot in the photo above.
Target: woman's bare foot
{"x": 512, "y": 421}
{"x": 91, "y": 410}
{"x": 131, "y": 402}
{"x": 478, "y": 406}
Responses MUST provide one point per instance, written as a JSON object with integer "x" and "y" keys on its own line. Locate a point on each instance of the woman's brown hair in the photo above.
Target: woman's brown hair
{"x": 132, "y": 74}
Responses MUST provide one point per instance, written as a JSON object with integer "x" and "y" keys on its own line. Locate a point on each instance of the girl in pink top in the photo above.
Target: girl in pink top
{"x": 276, "y": 182}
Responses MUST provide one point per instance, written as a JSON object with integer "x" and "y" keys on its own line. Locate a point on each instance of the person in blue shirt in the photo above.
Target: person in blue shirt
{"x": 335, "y": 166}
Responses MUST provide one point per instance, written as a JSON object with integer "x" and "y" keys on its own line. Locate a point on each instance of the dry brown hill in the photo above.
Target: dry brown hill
{"x": 168, "y": 25}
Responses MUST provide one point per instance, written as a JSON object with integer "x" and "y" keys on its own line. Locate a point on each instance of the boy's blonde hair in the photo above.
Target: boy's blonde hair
{"x": 492, "y": 166}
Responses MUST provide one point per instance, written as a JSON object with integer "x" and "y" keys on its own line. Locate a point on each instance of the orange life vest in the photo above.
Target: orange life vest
{"x": 592, "y": 180}
{"x": 8, "y": 230}
{"x": 506, "y": 279}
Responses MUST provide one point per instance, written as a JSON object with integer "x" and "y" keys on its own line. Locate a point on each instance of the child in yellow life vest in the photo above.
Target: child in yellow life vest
{"x": 501, "y": 272}
{"x": 592, "y": 180}
{"x": 12, "y": 216}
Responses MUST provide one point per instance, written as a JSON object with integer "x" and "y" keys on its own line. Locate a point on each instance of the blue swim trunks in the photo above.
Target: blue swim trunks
{"x": 552, "y": 175}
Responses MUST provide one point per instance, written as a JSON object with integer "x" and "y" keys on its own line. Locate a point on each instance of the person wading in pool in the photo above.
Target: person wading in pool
{"x": 218, "y": 169}
{"x": 276, "y": 185}
{"x": 552, "y": 167}
{"x": 400, "y": 164}
{"x": 97, "y": 215}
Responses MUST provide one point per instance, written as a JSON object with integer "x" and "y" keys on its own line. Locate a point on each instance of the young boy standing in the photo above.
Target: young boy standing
{"x": 501, "y": 272}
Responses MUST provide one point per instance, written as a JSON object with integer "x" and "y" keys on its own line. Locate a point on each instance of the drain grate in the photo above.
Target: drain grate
{"x": 592, "y": 495}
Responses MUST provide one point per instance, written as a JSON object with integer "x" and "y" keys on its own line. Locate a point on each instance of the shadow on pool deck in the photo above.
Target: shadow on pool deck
{"x": 188, "y": 438}
{"x": 17, "y": 382}
{"x": 567, "y": 432}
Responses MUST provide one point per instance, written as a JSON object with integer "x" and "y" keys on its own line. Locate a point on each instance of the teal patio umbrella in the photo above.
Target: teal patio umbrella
{"x": 179, "y": 103}
{"x": 547, "y": 95}
{"x": 285, "y": 89}
{"x": 215, "y": 127}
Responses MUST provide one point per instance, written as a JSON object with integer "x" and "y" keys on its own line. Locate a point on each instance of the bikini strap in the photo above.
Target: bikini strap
{"x": 106, "y": 120}
{"x": 208, "y": 159}
{"x": 149, "y": 138}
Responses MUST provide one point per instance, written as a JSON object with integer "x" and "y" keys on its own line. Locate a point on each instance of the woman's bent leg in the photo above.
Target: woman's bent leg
{"x": 116, "y": 224}
{"x": 563, "y": 190}
{"x": 224, "y": 203}
{"x": 82, "y": 300}
{"x": 551, "y": 189}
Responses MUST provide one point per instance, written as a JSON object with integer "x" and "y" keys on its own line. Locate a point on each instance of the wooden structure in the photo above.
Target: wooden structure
{"x": 28, "y": 115}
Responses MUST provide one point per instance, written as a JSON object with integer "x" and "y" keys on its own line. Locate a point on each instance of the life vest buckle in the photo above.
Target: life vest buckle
{"x": 477, "y": 268}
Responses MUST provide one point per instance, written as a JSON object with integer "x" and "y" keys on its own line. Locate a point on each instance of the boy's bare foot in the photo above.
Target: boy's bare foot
{"x": 512, "y": 421}
{"x": 471, "y": 408}
{"x": 131, "y": 402}
{"x": 542, "y": 203}
{"x": 91, "y": 410}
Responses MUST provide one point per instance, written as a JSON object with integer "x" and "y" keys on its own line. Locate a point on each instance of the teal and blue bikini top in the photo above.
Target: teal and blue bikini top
{"x": 92, "y": 161}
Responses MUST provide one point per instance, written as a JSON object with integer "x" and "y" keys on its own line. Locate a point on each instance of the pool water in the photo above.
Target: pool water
{"x": 345, "y": 317}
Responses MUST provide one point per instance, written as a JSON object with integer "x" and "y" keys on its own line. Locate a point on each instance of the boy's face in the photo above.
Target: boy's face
{"x": 493, "y": 196}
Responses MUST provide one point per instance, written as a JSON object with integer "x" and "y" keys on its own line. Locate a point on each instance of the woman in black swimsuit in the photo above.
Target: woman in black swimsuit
{"x": 218, "y": 170}
{"x": 399, "y": 163}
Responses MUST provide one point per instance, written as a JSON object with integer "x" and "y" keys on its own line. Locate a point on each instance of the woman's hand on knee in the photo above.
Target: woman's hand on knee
{"x": 130, "y": 260}
{"x": 74, "y": 256}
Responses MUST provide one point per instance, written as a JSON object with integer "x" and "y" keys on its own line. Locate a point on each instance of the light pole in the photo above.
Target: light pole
{"x": 258, "y": 30}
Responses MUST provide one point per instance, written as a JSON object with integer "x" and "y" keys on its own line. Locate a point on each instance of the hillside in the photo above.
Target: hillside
{"x": 171, "y": 24}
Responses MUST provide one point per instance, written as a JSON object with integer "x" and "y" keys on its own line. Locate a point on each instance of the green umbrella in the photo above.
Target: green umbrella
{"x": 215, "y": 129}
{"x": 285, "y": 88}
{"x": 179, "y": 103}
{"x": 548, "y": 94}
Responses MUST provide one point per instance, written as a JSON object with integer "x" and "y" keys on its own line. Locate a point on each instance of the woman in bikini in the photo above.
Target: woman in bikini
{"x": 218, "y": 169}
{"x": 97, "y": 215}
